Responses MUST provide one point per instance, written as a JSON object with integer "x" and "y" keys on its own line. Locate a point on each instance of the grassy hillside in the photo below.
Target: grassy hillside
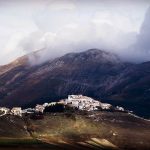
{"x": 100, "y": 130}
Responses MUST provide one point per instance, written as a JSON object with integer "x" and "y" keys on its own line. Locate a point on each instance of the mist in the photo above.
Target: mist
{"x": 63, "y": 26}
{"x": 139, "y": 51}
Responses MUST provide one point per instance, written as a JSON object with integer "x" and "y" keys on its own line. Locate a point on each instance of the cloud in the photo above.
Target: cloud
{"x": 62, "y": 26}
{"x": 76, "y": 38}
{"x": 143, "y": 40}
{"x": 139, "y": 51}
{"x": 74, "y": 28}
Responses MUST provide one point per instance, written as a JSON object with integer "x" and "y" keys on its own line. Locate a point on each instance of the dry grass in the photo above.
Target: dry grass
{"x": 102, "y": 130}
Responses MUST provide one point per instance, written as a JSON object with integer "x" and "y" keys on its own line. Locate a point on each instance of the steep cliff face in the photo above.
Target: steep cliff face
{"x": 93, "y": 73}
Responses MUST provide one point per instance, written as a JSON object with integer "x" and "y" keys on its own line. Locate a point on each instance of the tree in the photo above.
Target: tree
{"x": 55, "y": 108}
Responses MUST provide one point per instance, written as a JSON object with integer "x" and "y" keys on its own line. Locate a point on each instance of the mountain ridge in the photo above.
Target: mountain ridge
{"x": 95, "y": 73}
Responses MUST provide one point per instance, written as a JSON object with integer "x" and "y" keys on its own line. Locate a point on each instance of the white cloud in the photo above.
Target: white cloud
{"x": 62, "y": 26}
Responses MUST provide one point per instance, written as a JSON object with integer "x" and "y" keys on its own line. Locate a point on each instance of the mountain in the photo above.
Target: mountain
{"x": 132, "y": 88}
{"x": 95, "y": 73}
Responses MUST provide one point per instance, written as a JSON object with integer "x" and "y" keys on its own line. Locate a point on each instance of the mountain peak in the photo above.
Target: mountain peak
{"x": 95, "y": 50}
{"x": 93, "y": 55}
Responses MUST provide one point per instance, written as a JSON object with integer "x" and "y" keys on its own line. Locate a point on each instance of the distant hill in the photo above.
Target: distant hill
{"x": 95, "y": 73}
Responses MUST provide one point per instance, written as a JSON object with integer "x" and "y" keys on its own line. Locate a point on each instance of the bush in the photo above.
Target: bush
{"x": 54, "y": 108}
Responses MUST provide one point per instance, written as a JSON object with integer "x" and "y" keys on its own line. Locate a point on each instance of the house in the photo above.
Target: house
{"x": 17, "y": 111}
{"x": 96, "y": 103}
{"x": 28, "y": 111}
{"x": 81, "y": 106}
{"x": 52, "y": 103}
{"x": 120, "y": 108}
{"x": 74, "y": 98}
{"x": 61, "y": 102}
{"x": 39, "y": 108}
{"x": 4, "y": 110}
{"x": 105, "y": 106}
{"x": 80, "y": 98}
{"x": 75, "y": 103}
{"x": 45, "y": 104}
{"x": 89, "y": 108}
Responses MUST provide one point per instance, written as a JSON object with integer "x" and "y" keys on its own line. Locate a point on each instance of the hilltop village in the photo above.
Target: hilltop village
{"x": 77, "y": 102}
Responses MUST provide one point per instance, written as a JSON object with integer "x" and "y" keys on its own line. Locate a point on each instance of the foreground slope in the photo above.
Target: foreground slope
{"x": 79, "y": 130}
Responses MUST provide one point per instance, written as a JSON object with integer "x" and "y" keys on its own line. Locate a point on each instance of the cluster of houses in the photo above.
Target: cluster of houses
{"x": 14, "y": 111}
{"x": 79, "y": 102}
{"x": 85, "y": 103}
{"x": 18, "y": 111}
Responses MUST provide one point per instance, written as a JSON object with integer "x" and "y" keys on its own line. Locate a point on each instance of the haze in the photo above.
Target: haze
{"x": 61, "y": 26}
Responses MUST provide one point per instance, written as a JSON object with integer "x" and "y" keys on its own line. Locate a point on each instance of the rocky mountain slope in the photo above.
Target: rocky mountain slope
{"x": 94, "y": 73}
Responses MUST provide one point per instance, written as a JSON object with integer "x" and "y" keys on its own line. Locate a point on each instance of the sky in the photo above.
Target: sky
{"x": 62, "y": 26}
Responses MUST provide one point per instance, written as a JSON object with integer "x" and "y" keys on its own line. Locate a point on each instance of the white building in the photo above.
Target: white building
{"x": 17, "y": 111}
{"x": 120, "y": 108}
{"x": 52, "y": 103}
{"x": 82, "y": 102}
{"x": 73, "y": 98}
{"x": 90, "y": 108}
{"x": 105, "y": 106}
{"x": 39, "y": 108}
{"x": 45, "y": 104}
{"x": 86, "y": 103}
{"x": 96, "y": 103}
{"x": 81, "y": 106}
{"x": 75, "y": 103}
{"x": 28, "y": 111}
{"x": 80, "y": 98}
{"x": 4, "y": 110}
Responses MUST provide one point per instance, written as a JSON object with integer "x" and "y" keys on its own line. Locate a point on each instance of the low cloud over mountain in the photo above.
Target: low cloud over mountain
{"x": 94, "y": 73}
{"x": 140, "y": 50}
{"x": 64, "y": 26}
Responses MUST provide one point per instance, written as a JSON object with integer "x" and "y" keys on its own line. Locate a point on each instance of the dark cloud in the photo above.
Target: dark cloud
{"x": 140, "y": 51}
{"x": 143, "y": 39}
